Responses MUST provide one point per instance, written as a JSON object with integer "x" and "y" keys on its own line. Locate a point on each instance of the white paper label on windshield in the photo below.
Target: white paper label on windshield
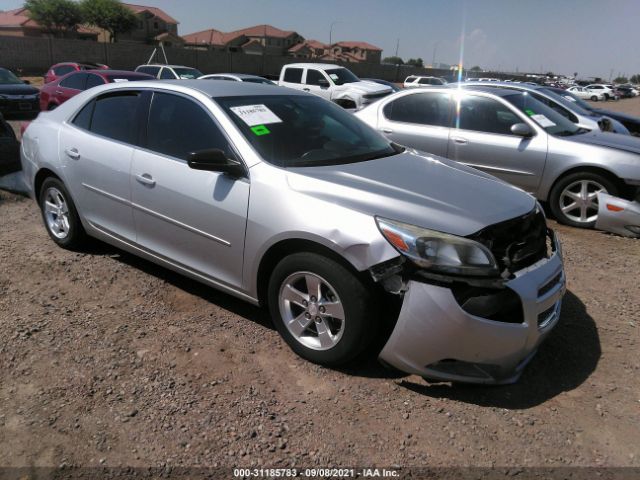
{"x": 333, "y": 76}
{"x": 543, "y": 121}
{"x": 569, "y": 98}
{"x": 256, "y": 115}
{"x": 116, "y": 80}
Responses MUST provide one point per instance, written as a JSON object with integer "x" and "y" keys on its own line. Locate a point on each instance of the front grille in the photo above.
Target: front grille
{"x": 516, "y": 243}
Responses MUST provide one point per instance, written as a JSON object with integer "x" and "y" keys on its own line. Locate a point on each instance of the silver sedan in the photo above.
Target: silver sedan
{"x": 283, "y": 199}
{"x": 514, "y": 136}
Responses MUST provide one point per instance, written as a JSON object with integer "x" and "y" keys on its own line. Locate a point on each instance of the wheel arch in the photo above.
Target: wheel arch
{"x": 282, "y": 248}
{"x": 608, "y": 174}
{"x": 39, "y": 179}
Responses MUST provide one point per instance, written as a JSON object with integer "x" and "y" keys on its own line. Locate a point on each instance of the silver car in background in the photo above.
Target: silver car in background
{"x": 514, "y": 136}
{"x": 284, "y": 199}
{"x": 573, "y": 112}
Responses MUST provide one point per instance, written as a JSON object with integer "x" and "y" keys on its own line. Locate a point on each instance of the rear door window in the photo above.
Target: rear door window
{"x": 63, "y": 70}
{"x": 93, "y": 81}
{"x": 293, "y": 75}
{"x": 150, "y": 70}
{"x": 114, "y": 116}
{"x": 75, "y": 81}
{"x": 420, "y": 108}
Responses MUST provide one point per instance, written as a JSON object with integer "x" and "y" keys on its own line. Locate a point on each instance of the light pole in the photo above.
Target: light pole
{"x": 331, "y": 30}
{"x": 433, "y": 60}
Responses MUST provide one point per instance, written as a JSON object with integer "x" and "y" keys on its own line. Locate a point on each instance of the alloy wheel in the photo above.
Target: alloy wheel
{"x": 56, "y": 213}
{"x": 579, "y": 200}
{"x": 311, "y": 310}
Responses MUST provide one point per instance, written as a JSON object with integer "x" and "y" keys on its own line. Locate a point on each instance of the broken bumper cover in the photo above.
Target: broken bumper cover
{"x": 436, "y": 339}
{"x": 617, "y": 215}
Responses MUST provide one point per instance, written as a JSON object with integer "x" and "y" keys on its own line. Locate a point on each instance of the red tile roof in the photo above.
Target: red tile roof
{"x": 158, "y": 12}
{"x": 362, "y": 45}
{"x": 210, "y": 37}
{"x": 262, "y": 30}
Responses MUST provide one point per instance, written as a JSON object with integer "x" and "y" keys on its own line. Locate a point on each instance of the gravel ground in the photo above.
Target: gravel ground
{"x": 109, "y": 360}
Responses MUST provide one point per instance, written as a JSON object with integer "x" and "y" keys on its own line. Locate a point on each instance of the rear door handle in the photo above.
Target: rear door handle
{"x": 59, "y": 92}
{"x": 387, "y": 130}
{"x": 72, "y": 152}
{"x": 146, "y": 179}
{"x": 460, "y": 140}
{"x": 305, "y": 89}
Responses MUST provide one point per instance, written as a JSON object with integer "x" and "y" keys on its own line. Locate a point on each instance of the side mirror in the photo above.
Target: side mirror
{"x": 323, "y": 82}
{"x": 215, "y": 160}
{"x": 521, "y": 130}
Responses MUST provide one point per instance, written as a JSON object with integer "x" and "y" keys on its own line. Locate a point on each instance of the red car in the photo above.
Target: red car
{"x": 59, "y": 91}
{"x": 61, "y": 69}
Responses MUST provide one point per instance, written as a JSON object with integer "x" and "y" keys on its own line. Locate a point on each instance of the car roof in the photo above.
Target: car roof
{"x": 113, "y": 72}
{"x": 210, "y": 89}
{"x": 490, "y": 89}
{"x": 321, "y": 66}
{"x": 237, "y": 75}
{"x": 511, "y": 85}
{"x": 164, "y": 65}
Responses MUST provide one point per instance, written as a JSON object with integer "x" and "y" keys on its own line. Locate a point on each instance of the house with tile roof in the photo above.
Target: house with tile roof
{"x": 352, "y": 52}
{"x": 16, "y": 23}
{"x": 154, "y": 25}
{"x": 258, "y": 39}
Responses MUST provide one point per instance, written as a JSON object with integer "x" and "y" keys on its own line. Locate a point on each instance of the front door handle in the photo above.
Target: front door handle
{"x": 460, "y": 140}
{"x": 59, "y": 92}
{"x": 146, "y": 179}
{"x": 305, "y": 89}
{"x": 387, "y": 130}
{"x": 72, "y": 152}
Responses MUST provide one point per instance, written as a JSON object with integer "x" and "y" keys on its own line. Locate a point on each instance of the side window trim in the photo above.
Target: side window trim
{"x": 144, "y": 137}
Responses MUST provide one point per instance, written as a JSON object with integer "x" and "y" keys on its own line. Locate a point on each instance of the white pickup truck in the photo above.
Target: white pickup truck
{"x": 332, "y": 82}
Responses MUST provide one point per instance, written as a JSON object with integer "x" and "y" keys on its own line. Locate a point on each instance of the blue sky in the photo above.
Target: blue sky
{"x": 591, "y": 37}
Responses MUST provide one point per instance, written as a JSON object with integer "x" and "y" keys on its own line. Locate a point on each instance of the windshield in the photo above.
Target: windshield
{"x": 258, "y": 80}
{"x": 8, "y": 78}
{"x": 187, "y": 73}
{"x": 300, "y": 131}
{"x": 340, "y": 76}
{"x": 570, "y": 104}
{"x": 546, "y": 117}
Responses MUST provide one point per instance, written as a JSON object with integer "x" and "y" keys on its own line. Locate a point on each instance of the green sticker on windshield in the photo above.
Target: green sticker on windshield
{"x": 260, "y": 130}
{"x": 530, "y": 112}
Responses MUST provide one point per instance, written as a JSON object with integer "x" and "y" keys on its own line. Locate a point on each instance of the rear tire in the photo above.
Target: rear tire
{"x": 324, "y": 312}
{"x": 573, "y": 199}
{"x": 60, "y": 215}
{"x": 594, "y": 98}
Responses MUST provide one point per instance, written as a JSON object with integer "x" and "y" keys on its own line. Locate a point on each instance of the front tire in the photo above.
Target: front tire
{"x": 324, "y": 312}
{"x": 573, "y": 199}
{"x": 60, "y": 215}
{"x": 594, "y": 98}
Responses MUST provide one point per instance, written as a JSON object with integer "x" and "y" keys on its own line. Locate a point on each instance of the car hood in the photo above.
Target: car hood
{"x": 626, "y": 143}
{"x": 427, "y": 191}
{"x": 18, "y": 89}
{"x": 364, "y": 87}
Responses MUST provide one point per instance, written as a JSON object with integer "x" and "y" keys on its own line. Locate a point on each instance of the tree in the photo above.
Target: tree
{"x": 415, "y": 62}
{"x": 621, "y": 80}
{"x": 475, "y": 69}
{"x": 59, "y": 17}
{"x": 393, "y": 60}
{"x": 635, "y": 79}
{"x": 110, "y": 15}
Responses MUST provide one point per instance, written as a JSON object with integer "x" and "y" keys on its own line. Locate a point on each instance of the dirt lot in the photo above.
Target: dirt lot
{"x": 109, "y": 360}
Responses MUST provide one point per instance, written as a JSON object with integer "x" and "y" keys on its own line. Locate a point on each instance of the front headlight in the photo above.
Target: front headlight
{"x": 437, "y": 251}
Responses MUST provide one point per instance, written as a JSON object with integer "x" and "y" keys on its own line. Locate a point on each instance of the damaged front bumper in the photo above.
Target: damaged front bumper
{"x": 617, "y": 215}
{"x": 437, "y": 338}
